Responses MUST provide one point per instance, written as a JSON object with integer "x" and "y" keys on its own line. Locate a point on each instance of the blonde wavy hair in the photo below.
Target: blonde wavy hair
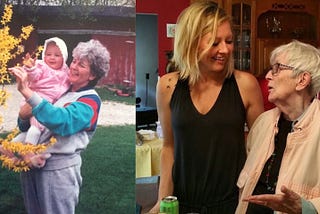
{"x": 193, "y": 23}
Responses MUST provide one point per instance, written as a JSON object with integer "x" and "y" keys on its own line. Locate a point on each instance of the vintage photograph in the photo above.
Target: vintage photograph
{"x": 67, "y": 106}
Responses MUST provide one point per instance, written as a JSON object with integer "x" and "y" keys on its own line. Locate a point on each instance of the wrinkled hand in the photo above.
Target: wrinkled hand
{"x": 288, "y": 202}
{"x": 39, "y": 160}
{"x": 21, "y": 76}
{"x": 36, "y": 160}
{"x": 25, "y": 112}
{"x": 22, "y": 81}
{"x": 6, "y": 152}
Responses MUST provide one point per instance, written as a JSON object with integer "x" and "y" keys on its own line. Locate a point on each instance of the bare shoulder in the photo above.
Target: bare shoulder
{"x": 245, "y": 80}
{"x": 248, "y": 86}
{"x": 251, "y": 95}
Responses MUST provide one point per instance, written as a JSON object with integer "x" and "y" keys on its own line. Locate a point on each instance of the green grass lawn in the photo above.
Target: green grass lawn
{"x": 108, "y": 172}
{"x": 106, "y": 94}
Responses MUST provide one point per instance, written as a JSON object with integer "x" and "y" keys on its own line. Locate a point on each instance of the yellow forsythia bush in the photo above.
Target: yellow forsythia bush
{"x": 10, "y": 47}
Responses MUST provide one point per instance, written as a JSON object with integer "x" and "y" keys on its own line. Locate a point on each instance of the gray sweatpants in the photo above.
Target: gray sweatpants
{"x": 51, "y": 191}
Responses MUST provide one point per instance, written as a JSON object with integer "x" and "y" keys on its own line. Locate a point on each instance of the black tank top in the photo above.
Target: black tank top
{"x": 209, "y": 150}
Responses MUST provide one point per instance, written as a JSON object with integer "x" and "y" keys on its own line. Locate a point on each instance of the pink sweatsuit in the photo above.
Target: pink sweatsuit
{"x": 49, "y": 83}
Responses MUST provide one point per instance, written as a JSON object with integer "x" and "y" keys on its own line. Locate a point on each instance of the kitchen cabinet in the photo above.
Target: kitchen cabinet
{"x": 278, "y": 22}
{"x": 243, "y": 33}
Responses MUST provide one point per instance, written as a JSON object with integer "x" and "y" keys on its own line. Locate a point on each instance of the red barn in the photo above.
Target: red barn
{"x": 113, "y": 26}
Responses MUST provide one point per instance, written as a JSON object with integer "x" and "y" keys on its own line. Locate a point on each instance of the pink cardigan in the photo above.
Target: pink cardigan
{"x": 300, "y": 166}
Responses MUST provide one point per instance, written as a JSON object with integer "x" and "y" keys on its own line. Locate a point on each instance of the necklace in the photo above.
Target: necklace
{"x": 270, "y": 186}
{"x": 273, "y": 164}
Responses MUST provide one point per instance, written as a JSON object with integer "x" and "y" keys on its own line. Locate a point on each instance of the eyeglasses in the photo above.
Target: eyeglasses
{"x": 277, "y": 67}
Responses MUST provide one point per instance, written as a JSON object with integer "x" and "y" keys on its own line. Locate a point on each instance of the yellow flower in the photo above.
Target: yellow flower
{"x": 26, "y": 31}
{"x": 7, "y": 15}
{"x": 3, "y": 97}
{"x": 39, "y": 50}
{"x": 10, "y": 47}
{"x": 19, "y": 149}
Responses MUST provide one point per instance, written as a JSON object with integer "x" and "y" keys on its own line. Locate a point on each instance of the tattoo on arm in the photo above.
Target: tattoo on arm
{"x": 169, "y": 85}
{"x": 169, "y": 80}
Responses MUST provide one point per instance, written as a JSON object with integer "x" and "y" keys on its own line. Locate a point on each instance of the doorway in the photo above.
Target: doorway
{"x": 146, "y": 58}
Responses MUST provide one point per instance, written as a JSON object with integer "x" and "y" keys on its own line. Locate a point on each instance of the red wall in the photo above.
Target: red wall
{"x": 168, "y": 12}
{"x": 122, "y": 63}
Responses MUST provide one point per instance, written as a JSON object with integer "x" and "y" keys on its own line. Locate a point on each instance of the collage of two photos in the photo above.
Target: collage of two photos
{"x": 76, "y": 154}
{"x": 135, "y": 106}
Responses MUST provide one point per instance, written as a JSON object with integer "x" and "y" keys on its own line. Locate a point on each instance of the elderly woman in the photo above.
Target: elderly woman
{"x": 72, "y": 120}
{"x": 282, "y": 171}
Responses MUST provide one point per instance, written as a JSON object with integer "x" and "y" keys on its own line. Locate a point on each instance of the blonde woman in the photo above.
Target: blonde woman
{"x": 203, "y": 108}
